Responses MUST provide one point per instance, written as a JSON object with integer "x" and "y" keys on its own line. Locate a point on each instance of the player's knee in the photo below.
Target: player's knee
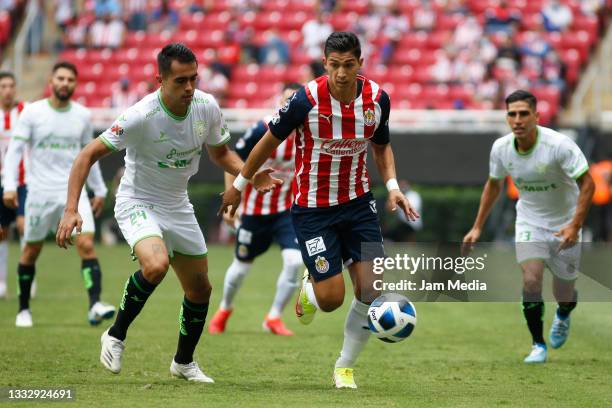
{"x": 532, "y": 285}
{"x": 86, "y": 248}
{"x": 200, "y": 293}
{"x": 30, "y": 254}
{"x": 155, "y": 269}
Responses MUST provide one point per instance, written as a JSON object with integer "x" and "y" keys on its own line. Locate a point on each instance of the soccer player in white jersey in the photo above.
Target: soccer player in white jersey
{"x": 164, "y": 135}
{"x": 336, "y": 116}
{"x": 10, "y": 109}
{"x": 555, "y": 192}
{"x": 264, "y": 218}
{"x": 54, "y": 130}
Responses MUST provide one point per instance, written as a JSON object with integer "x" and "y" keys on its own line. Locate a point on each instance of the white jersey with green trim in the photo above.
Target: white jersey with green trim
{"x": 545, "y": 177}
{"x": 163, "y": 150}
{"x": 55, "y": 138}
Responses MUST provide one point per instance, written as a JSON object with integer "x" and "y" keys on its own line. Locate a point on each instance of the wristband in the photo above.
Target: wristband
{"x": 240, "y": 182}
{"x": 392, "y": 184}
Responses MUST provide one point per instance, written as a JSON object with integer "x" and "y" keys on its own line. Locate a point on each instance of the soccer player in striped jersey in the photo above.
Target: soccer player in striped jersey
{"x": 263, "y": 218}
{"x": 11, "y": 109}
{"x": 555, "y": 193}
{"x": 337, "y": 116}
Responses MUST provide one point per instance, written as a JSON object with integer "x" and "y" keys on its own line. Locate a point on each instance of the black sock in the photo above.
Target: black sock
{"x": 92, "y": 276}
{"x": 565, "y": 308}
{"x": 533, "y": 309}
{"x": 137, "y": 291}
{"x": 25, "y": 274}
{"x": 191, "y": 324}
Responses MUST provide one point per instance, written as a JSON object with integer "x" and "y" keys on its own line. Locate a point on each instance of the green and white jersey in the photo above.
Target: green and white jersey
{"x": 163, "y": 150}
{"x": 545, "y": 177}
{"x": 54, "y": 138}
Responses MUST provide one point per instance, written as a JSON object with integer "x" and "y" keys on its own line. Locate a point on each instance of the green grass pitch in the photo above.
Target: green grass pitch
{"x": 460, "y": 355}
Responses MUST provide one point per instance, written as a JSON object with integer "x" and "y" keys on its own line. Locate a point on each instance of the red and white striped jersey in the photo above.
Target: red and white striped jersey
{"x": 281, "y": 160}
{"x": 9, "y": 120}
{"x": 332, "y": 140}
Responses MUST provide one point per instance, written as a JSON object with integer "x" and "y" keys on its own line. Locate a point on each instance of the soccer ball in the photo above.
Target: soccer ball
{"x": 392, "y": 317}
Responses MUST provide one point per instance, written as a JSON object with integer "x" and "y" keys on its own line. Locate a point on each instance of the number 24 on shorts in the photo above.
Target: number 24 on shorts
{"x": 136, "y": 216}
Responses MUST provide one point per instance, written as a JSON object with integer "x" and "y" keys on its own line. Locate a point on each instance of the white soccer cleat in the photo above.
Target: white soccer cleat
{"x": 537, "y": 355}
{"x": 112, "y": 350}
{"x": 100, "y": 311}
{"x": 24, "y": 318}
{"x": 189, "y": 372}
{"x": 3, "y": 291}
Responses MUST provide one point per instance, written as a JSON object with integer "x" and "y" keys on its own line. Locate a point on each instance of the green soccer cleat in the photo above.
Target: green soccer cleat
{"x": 343, "y": 378}
{"x": 304, "y": 310}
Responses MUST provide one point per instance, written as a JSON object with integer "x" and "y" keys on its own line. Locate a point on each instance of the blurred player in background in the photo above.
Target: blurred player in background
{"x": 263, "y": 218}
{"x": 11, "y": 109}
{"x": 337, "y": 116}
{"x": 555, "y": 193}
{"x": 54, "y": 130}
{"x": 163, "y": 136}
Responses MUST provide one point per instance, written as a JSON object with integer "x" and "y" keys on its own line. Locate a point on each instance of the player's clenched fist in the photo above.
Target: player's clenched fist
{"x": 68, "y": 223}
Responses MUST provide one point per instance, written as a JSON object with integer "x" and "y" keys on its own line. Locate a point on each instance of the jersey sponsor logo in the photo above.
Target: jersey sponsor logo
{"x": 177, "y": 164}
{"x": 315, "y": 246}
{"x": 344, "y": 147}
{"x": 162, "y": 137}
{"x": 326, "y": 117}
{"x": 245, "y": 236}
{"x": 531, "y": 189}
{"x": 369, "y": 118}
{"x": 153, "y": 112}
{"x": 321, "y": 264}
{"x": 174, "y": 153}
{"x": 118, "y": 130}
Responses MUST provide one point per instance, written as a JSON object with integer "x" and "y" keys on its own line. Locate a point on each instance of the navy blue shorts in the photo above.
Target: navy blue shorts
{"x": 329, "y": 236}
{"x": 8, "y": 215}
{"x": 256, "y": 233}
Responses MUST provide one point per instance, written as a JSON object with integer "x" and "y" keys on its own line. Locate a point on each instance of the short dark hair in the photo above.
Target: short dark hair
{"x": 343, "y": 41}
{"x": 521, "y": 95}
{"x": 7, "y": 74}
{"x": 67, "y": 65}
{"x": 294, "y": 86}
{"x": 174, "y": 51}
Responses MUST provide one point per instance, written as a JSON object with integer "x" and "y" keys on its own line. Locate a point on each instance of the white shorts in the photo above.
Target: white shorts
{"x": 540, "y": 243}
{"x": 178, "y": 227}
{"x": 43, "y": 213}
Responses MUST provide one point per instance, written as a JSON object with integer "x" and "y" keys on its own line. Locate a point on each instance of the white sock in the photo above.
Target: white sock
{"x": 233, "y": 280}
{"x": 287, "y": 281}
{"x": 312, "y": 298}
{"x": 3, "y": 260}
{"x": 356, "y": 334}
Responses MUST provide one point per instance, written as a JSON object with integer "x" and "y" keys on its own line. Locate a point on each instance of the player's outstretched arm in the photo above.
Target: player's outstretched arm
{"x": 570, "y": 232}
{"x": 261, "y": 180}
{"x": 71, "y": 219}
{"x": 491, "y": 191}
{"x": 385, "y": 163}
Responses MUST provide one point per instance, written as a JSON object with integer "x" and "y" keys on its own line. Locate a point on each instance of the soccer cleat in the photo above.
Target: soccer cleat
{"x": 276, "y": 326}
{"x": 3, "y": 291}
{"x": 559, "y": 331}
{"x": 111, "y": 352}
{"x": 537, "y": 355}
{"x": 24, "y": 318}
{"x": 189, "y": 372}
{"x": 219, "y": 320}
{"x": 343, "y": 378}
{"x": 304, "y": 310}
{"x": 100, "y": 311}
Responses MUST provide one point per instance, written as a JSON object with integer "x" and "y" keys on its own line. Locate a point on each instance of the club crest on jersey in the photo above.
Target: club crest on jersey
{"x": 369, "y": 118}
{"x": 321, "y": 264}
{"x": 199, "y": 128}
{"x": 118, "y": 130}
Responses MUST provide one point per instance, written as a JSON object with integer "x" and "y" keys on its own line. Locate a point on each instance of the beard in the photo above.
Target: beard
{"x": 63, "y": 96}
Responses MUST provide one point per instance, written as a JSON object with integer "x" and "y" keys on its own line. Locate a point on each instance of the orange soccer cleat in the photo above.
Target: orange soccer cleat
{"x": 219, "y": 320}
{"x": 276, "y": 326}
